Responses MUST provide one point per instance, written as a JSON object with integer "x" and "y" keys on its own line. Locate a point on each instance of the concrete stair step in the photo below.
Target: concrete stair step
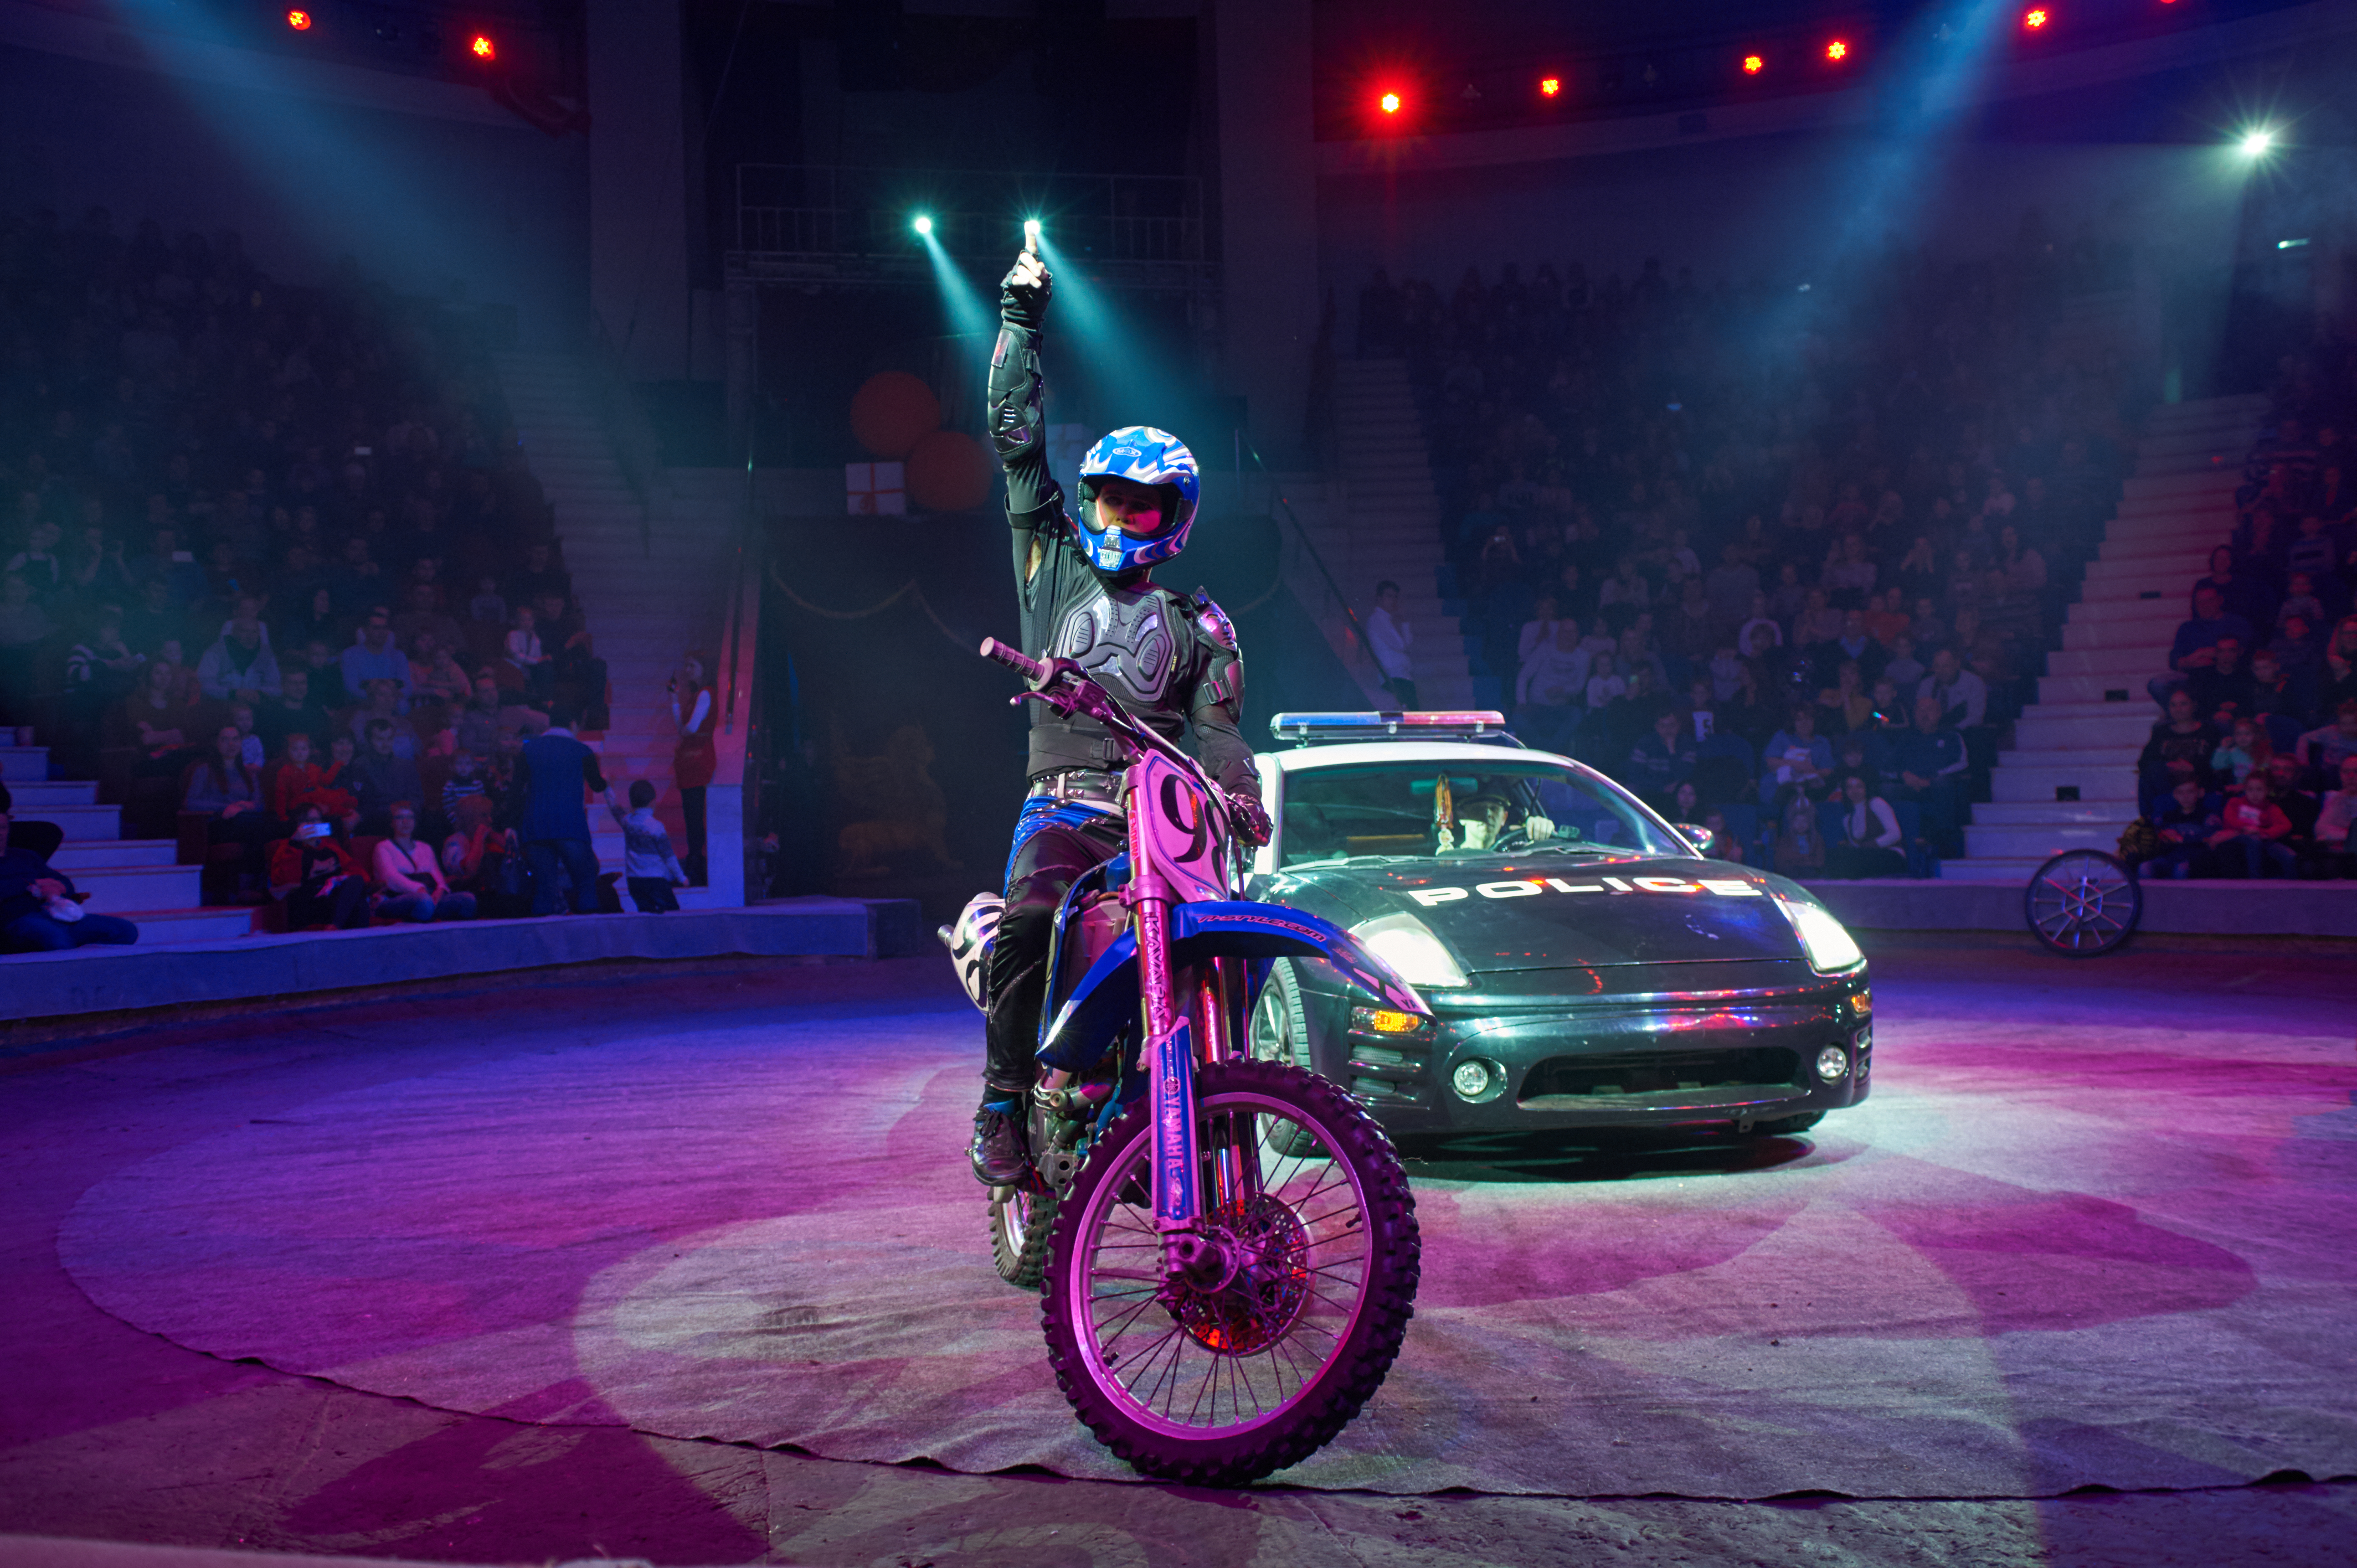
{"x": 2173, "y": 574}
{"x": 141, "y": 887}
{"x": 36, "y": 798}
{"x": 2128, "y": 724}
{"x": 2121, "y": 634}
{"x": 2037, "y": 841}
{"x": 161, "y": 928}
{"x": 2067, "y": 813}
{"x": 2023, "y": 783}
{"x": 2115, "y": 661}
{"x": 2011, "y": 868}
{"x": 81, "y": 823}
{"x": 76, "y": 857}
{"x": 2094, "y": 688}
{"x": 2186, "y": 529}
{"x": 2200, "y": 486}
{"x": 2165, "y": 612}
{"x": 23, "y": 764}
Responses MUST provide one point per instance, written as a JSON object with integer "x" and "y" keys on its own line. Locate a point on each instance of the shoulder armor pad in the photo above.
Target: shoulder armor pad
{"x": 1213, "y": 620}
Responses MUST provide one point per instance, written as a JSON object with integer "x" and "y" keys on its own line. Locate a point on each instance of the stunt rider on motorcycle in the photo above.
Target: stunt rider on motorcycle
{"x": 1088, "y": 599}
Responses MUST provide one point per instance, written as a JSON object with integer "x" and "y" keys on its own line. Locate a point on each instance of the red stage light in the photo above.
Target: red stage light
{"x": 1753, "y": 65}
{"x": 1389, "y": 102}
{"x": 1550, "y": 85}
{"x": 2033, "y": 20}
{"x": 1837, "y": 50}
{"x": 299, "y": 20}
{"x": 483, "y": 48}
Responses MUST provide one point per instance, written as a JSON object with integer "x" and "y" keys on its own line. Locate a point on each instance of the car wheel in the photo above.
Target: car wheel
{"x": 1280, "y": 1033}
{"x": 1280, "y": 1024}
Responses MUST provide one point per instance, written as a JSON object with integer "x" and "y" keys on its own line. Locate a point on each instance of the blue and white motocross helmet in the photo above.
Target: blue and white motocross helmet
{"x": 1144, "y": 456}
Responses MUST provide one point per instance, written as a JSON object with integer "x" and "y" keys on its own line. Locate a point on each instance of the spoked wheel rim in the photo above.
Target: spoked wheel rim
{"x": 2083, "y": 902}
{"x": 1207, "y": 1365}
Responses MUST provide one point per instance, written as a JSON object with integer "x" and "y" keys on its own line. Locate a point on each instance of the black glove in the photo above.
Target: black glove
{"x": 1024, "y": 292}
{"x": 1246, "y": 815}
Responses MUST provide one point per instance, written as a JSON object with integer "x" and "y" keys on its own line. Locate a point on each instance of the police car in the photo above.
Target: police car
{"x": 1586, "y": 966}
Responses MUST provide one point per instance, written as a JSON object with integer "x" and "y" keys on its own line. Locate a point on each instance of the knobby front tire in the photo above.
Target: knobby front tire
{"x": 1221, "y": 1387}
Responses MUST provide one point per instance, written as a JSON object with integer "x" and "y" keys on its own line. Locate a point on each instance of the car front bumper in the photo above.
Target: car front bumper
{"x": 1664, "y": 1058}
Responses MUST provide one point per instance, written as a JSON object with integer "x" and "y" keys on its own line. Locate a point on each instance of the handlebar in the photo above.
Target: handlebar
{"x": 1014, "y": 659}
{"x": 1060, "y": 685}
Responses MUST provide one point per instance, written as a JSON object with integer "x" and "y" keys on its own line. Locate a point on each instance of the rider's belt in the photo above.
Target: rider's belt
{"x": 1080, "y": 784}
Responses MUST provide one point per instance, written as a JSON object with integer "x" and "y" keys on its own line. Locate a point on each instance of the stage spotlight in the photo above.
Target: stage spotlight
{"x": 923, "y": 224}
{"x": 1837, "y": 50}
{"x": 2257, "y": 143}
{"x": 482, "y": 48}
{"x": 1753, "y": 65}
{"x": 1549, "y": 86}
{"x": 2034, "y": 20}
{"x": 1389, "y": 102}
{"x": 299, "y": 20}
{"x": 1031, "y": 227}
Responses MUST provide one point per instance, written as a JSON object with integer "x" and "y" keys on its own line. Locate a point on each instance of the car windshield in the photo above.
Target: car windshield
{"x": 1522, "y": 804}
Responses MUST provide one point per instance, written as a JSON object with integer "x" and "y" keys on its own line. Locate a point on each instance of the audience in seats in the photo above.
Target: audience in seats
{"x": 220, "y": 489}
{"x": 1791, "y": 494}
{"x": 2247, "y": 773}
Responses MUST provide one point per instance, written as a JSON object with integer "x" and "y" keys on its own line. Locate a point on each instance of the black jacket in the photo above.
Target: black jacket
{"x": 1166, "y": 657}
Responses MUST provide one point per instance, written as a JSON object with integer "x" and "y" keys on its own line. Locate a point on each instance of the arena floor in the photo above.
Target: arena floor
{"x": 687, "y": 1267}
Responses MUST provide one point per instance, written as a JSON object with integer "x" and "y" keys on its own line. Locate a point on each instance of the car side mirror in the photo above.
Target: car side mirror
{"x": 1697, "y": 835}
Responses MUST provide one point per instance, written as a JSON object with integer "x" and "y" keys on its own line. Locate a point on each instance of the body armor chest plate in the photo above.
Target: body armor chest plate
{"x": 1125, "y": 644}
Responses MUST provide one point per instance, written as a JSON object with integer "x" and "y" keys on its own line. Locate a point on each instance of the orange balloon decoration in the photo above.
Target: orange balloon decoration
{"x": 949, "y": 471}
{"x": 891, "y": 411}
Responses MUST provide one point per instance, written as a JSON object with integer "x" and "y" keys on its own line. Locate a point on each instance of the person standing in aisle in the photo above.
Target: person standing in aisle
{"x": 1390, "y": 636}
{"x": 694, "y": 760}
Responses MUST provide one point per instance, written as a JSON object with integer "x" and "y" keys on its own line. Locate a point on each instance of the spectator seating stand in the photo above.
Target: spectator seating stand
{"x": 140, "y": 879}
{"x": 2069, "y": 779}
{"x": 1391, "y": 519}
{"x": 651, "y": 591}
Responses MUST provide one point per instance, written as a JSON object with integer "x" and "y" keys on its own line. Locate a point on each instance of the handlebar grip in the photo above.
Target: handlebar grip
{"x": 1014, "y": 659}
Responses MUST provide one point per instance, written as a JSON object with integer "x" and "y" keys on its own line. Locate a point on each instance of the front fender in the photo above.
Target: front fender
{"x": 1106, "y": 997}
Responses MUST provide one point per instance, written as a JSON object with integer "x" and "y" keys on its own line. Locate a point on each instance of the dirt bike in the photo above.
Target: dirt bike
{"x": 1226, "y": 1248}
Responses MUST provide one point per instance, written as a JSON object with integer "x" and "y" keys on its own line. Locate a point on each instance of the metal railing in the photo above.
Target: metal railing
{"x": 822, "y": 212}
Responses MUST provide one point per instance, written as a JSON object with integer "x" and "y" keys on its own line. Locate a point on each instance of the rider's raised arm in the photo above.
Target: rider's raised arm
{"x": 1217, "y": 704}
{"x": 1018, "y": 429}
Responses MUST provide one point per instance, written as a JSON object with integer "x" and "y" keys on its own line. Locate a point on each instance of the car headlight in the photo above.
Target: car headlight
{"x": 1828, "y": 942}
{"x": 1404, "y": 942}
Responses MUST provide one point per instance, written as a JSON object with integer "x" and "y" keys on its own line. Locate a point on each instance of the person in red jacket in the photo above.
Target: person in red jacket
{"x": 317, "y": 876}
{"x": 2255, "y": 822}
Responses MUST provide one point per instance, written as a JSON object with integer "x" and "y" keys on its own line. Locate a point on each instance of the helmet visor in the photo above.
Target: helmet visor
{"x": 1140, "y": 512}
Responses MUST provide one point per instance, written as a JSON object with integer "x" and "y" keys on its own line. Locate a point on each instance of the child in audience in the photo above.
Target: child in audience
{"x": 524, "y": 652}
{"x": 2242, "y": 753}
{"x": 650, "y": 869}
{"x": 2255, "y": 825}
{"x": 465, "y": 779}
{"x": 2183, "y": 829}
{"x": 487, "y": 604}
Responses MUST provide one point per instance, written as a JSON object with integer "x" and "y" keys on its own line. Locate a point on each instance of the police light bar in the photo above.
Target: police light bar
{"x": 1372, "y": 726}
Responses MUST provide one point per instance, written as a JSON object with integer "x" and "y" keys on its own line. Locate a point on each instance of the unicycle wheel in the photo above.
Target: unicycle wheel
{"x": 2083, "y": 903}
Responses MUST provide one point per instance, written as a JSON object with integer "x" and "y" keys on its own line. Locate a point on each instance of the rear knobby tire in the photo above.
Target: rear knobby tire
{"x": 1286, "y": 1355}
{"x": 1020, "y": 1224}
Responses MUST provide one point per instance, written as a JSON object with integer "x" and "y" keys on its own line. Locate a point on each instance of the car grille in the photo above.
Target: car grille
{"x": 1626, "y": 1080}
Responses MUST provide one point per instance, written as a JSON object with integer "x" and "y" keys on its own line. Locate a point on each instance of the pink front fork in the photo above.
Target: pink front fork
{"x": 1169, "y": 1063}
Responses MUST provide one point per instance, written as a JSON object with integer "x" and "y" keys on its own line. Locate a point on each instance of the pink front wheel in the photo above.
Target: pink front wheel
{"x": 1259, "y": 1361}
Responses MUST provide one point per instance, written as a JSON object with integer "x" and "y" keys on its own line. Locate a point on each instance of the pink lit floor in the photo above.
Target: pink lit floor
{"x": 687, "y": 1267}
